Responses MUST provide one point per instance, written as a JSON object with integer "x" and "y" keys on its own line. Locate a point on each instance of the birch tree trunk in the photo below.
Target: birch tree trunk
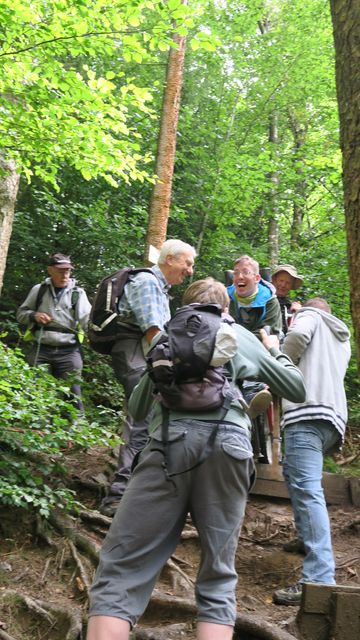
{"x": 161, "y": 195}
{"x": 9, "y": 185}
{"x": 346, "y": 25}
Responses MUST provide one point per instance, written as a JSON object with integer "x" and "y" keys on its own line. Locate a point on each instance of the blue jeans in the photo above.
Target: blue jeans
{"x": 306, "y": 443}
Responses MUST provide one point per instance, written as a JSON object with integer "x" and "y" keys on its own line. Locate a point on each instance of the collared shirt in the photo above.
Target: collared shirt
{"x": 145, "y": 300}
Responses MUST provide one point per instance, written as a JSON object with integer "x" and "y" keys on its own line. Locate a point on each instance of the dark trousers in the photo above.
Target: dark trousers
{"x": 61, "y": 363}
{"x": 129, "y": 363}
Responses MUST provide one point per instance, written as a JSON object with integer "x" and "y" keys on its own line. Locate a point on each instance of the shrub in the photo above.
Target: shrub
{"x": 37, "y": 424}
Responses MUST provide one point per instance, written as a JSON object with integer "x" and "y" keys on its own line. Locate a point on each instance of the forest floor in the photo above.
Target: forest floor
{"x": 45, "y": 573}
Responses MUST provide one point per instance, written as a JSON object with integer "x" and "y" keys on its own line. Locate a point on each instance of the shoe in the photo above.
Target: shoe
{"x": 289, "y": 596}
{"x": 108, "y": 506}
{"x": 295, "y": 546}
{"x": 259, "y": 403}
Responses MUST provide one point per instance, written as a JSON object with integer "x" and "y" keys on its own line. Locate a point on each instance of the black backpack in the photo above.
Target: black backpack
{"x": 179, "y": 364}
{"x": 104, "y": 325}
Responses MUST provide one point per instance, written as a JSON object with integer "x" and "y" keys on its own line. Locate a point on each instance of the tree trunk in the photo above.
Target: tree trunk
{"x": 346, "y": 25}
{"x": 161, "y": 194}
{"x": 273, "y": 227}
{"x": 299, "y": 133}
{"x": 9, "y": 185}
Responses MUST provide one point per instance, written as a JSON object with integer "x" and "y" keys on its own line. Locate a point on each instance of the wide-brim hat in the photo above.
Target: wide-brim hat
{"x": 60, "y": 261}
{"x": 298, "y": 280}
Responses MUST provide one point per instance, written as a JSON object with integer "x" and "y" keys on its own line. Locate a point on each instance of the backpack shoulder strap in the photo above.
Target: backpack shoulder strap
{"x": 75, "y": 295}
{"x": 40, "y": 295}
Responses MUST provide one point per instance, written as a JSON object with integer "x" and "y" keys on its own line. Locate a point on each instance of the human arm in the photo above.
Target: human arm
{"x": 82, "y": 310}
{"x": 142, "y": 397}
{"x": 27, "y": 314}
{"x": 148, "y": 303}
{"x": 299, "y": 335}
{"x": 272, "y": 316}
{"x": 282, "y": 376}
{"x": 267, "y": 364}
{"x": 151, "y": 333}
{"x": 295, "y": 306}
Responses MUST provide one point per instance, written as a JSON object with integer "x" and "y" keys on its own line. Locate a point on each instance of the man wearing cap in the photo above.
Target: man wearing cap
{"x": 57, "y": 311}
{"x": 285, "y": 279}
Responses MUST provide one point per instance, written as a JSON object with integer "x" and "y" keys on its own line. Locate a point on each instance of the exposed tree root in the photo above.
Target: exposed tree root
{"x": 70, "y": 620}
{"x": 67, "y": 529}
{"x": 94, "y": 518}
{"x": 46, "y": 568}
{"x": 174, "y": 567}
{"x": 245, "y": 623}
{"x": 85, "y": 582}
{"x": 261, "y": 540}
{"x": 160, "y": 633}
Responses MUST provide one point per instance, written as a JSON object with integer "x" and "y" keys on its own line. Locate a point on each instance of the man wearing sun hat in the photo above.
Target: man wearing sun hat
{"x": 285, "y": 279}
{"x": 57, "y": 312}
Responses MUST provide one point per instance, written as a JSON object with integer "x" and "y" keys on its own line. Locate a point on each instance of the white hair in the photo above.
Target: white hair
{"x": 174, "y": 248}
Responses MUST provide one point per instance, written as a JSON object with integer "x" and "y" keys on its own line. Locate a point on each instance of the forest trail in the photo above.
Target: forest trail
{"x": 50, "y": 568}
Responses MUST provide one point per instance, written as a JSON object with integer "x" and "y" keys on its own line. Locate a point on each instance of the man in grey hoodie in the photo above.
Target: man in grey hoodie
{"x": 318, "y": 343}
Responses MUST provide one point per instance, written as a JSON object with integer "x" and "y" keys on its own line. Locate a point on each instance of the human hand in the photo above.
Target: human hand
{"x": 42, "y": 318}
{"x": 269, "y": 341}
{"x": 295, "y": 306}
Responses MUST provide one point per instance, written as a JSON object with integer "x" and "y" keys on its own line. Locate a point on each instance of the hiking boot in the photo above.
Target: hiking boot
{"x": 109, "y": 506}
{"x": 295, "y": 546}
{"x": 289, "y": 596}
{"x": 259, "y": 403}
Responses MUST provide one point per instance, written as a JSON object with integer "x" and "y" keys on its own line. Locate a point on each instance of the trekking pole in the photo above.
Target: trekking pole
{"x": 38, "y": 345}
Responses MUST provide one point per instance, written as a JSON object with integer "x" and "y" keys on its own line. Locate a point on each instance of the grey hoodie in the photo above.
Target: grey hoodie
{"x": 319, "y": 344}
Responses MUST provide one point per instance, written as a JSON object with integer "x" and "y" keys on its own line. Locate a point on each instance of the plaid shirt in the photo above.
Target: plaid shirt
{"x": 145, "y": 300}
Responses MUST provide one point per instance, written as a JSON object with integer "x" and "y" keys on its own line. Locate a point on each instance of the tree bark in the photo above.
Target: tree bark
{"x": 9, "y": 185}
{"x": 161, "y": 195}
{"x": 299, "y": 133}
{"x": 273, "y": 227}
{"x": 346, "y": 26}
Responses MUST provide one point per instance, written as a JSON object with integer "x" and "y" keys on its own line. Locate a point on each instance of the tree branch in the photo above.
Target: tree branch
{"x": 73, "y": 37}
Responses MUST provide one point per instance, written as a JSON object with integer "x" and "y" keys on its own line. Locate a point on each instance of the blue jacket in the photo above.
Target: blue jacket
{"x": 263, "y": 310}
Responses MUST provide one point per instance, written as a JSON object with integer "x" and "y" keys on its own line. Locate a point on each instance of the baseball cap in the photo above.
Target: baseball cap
{"x": 60, "y": 261}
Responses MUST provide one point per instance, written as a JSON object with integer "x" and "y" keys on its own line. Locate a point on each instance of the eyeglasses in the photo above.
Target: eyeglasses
{"x": 245, "y": 272}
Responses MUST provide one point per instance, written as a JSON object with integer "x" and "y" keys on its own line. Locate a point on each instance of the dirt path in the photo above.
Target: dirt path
{"x": 55, "y": 568}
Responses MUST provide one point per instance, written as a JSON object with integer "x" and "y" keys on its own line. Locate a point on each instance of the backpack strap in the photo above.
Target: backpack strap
{"x": 40, "y": 295}
{"x": 209, "y": 447}
{"x": 75, "y": 295}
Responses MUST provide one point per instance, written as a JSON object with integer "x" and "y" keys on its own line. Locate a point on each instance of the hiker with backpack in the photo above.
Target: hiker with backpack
{"x": 55, "y": 314}
{"x": 198, "y": 460}
{"x": 138, "y": 312}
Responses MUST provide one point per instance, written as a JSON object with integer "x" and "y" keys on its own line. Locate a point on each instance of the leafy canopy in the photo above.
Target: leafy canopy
{"x": 64, "y": 94}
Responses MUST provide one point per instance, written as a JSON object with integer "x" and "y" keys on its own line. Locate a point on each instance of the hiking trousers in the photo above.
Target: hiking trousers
{"x": 129, "y": 364}
{"x": 152, "y": 513}
{"x": 61, "y": 362}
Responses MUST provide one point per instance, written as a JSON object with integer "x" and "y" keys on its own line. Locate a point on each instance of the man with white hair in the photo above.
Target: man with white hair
{"x": 144, "y": 304}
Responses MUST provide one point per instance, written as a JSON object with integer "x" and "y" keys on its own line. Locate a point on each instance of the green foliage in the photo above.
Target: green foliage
{"x": 37, "y": 426}
{"x": 65, "y": 94}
